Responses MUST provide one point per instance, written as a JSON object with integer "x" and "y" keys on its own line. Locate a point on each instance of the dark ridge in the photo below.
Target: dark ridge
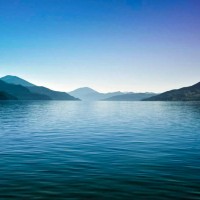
{"x": 54, "y": 95}
{"x": 191, "y": 93}
{"x": 21, "y": 92}
{"x": 6, "y": 96}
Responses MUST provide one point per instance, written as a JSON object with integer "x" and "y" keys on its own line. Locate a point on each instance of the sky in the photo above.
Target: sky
{"x": 109, "y": 45}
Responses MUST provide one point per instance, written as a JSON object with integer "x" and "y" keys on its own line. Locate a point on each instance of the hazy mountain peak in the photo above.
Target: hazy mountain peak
{"x": 84, "y": 90}
{"x": 16, "y": 81}
{"x": 89, "y": 94}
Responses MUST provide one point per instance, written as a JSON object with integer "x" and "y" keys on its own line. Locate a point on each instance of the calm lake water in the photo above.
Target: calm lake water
{"x": 99, "y": 150}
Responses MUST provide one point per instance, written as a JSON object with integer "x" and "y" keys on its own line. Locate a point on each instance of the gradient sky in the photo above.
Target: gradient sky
{"x": 109, "y": 45}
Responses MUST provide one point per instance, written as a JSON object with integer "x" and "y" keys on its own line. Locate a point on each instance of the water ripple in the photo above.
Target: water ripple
{"x": 99, "y": 150}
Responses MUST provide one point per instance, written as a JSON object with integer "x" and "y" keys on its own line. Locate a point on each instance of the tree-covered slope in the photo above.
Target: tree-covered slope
{"x": 6, "y": 96}
{"x": 191, "y": 93}
{"x": 54, "y": 95}
{"x": 21, "y": 92}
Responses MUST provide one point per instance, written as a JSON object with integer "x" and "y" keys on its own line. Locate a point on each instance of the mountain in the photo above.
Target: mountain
{"x": 191, "y": 93}
{"x": 20, "y": 92}
{"x": 88, "y": 94}
{"x": 6, "y": 96}
{"x": 52, "y": 95}
{"x": 130, "y": 97}
{"x": 16, "y": 81}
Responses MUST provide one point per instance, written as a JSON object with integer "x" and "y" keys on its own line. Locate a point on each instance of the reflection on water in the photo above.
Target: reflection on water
{"x": 99, "y": 150}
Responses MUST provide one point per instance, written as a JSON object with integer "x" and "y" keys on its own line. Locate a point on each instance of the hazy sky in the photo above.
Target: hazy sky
{"x": 109, "y": 45}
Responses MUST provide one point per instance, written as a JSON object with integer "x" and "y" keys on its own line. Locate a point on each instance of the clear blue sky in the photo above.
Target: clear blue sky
{"x": 109, "y": 45}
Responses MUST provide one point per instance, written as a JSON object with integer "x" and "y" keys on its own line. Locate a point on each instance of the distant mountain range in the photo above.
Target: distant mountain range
{"x": 15, "y": 88}
{"x": 130, "y": 97}
{"x": 24, "y": 90}
{"x": 191, "y": 93}
{"x": 88, "y": 94}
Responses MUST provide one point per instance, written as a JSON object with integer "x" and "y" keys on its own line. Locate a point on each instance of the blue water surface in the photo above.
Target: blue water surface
{"x": 99, "y": 150}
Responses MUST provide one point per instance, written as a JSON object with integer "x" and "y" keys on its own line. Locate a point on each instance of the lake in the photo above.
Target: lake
{"x": 99, "y": 150}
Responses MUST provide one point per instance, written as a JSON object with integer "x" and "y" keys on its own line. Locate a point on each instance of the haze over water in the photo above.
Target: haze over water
{"x": 99, "y": 150}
